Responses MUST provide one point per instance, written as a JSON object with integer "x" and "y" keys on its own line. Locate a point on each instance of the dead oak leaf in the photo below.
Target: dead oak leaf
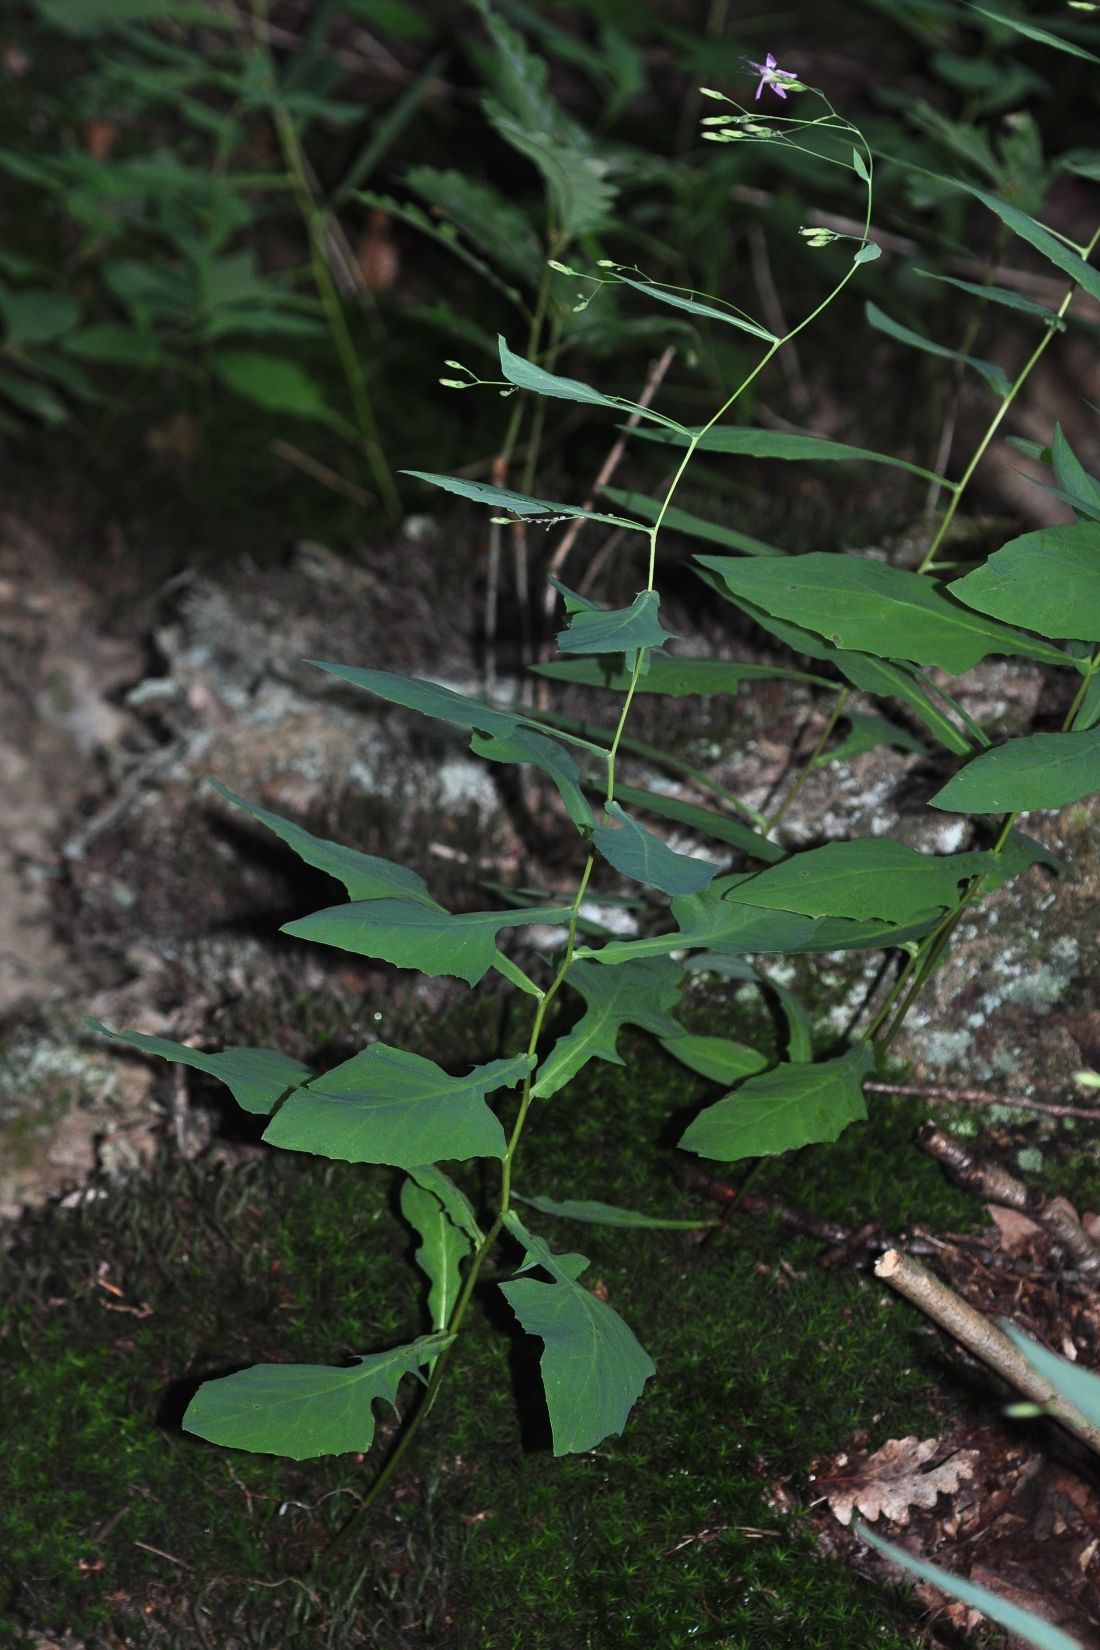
{"x": 891, "y": 1481}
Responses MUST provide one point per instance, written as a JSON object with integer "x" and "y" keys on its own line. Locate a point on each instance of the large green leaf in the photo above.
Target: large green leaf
{"x": 593, "y": 1369}
{"x": 874, "y": 608}
{"x": 363, "y": 875}
{"x": 640, "y": 993}
{"x": 637, "y": 853}
{"x": 622, "y": 630}
{"x": 1020, "y": 1623}
{"x": 256, "y": 1077}
{"x": 884, "y": 677}
{"x": 527, "y": 746}
{"x": 1043, "y": 770}
{"x": 411, "y": 935}
{"x": 995, "y": 376}
{"x": 718, "y": 1058}
{"x": 754, "y": 443}
{"x": 706, "y": 821}
{"x": 783, "y": 1109}
{"x": 539, "y": 510}
{"x": 674, "y": 676}
{"x": 443, "y": 1248}
{"x": 304, "y": 1410}
{"x": 441, "y": 703}
{"x": 387, "y": 1105}
{"x": 594, "y": 1213}
{"x": 870, "y": 877}
{"x": 1048, "y": 580}
{"x": 431, "y": 1177}
{"x": 696, "y": 527}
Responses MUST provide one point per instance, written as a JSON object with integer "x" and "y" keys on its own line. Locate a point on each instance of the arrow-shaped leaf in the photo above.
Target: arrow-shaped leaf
{"x": 640, "y": 993}
{"x": 387, "y": 1105}
{"x": 621, "y": 631}
{"x": 304, "y": 1410}
{"x": 363, "y": 875}
{"x": 593, "y": 1369}
{"x": 257, "y": 1077}
{"x": 527, "y": 746}
{"x": 412, "y": 935}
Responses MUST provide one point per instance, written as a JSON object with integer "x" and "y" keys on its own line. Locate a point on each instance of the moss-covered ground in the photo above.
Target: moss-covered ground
{"x": 691, "y": 1529}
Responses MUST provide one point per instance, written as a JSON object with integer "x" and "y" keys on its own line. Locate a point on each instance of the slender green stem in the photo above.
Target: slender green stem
{"x": 314, "y": 219}
{"x": 838, "y": 711}
{"x": 1021, "y": 378}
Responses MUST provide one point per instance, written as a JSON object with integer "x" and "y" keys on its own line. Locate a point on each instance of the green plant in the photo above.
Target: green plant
{"x": 872, "y": 626}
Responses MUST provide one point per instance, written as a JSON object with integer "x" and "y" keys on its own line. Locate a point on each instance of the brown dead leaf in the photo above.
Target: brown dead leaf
{"x": 891, "y": 1481}
{"x": 1015, "y": 1230}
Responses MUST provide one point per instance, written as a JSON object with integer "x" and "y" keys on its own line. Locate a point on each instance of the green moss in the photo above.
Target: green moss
{"x": 765, "y": 1362}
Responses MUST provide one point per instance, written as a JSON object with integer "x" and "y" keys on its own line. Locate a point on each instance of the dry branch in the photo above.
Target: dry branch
{"x": 982, "y": 1097}
{"x": 920, "y": 1286}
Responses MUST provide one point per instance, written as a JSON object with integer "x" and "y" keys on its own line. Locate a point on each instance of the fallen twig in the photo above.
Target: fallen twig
{"x": 974, "y": 1331}
{"x": 982, "y": 1097}
{"x": 996, "y": 1185}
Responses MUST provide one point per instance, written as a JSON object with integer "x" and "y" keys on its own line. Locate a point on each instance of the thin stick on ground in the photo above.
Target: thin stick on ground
{"x": 974, "y": 1331}
{"x": 982, "y": 1097}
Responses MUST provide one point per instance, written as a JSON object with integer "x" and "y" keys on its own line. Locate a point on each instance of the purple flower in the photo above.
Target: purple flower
{"x": 771, "y": 75}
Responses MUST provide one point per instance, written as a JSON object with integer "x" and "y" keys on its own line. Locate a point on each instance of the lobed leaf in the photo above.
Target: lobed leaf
{"x": 871, "y": 607}
{"x": 1041, "y": 770}
{"x": 718, "y": 1058}
{"x": 624, "y": 629}
{"x": 387, "y": 1105}
{"x": 783, "y": 1109}
{"x": 257, "y": 1078}
{"x": 411, "y": 935}
{"x": 637, "y": 853}
{"x": 1048, "y": 580}
{"x": 443, "y": 1247}
{"x": 640, "y": 993}
{"x": 304, "y": 1410}
{"x": 363, "y": 875}
{"x": 593, "y": 1369}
